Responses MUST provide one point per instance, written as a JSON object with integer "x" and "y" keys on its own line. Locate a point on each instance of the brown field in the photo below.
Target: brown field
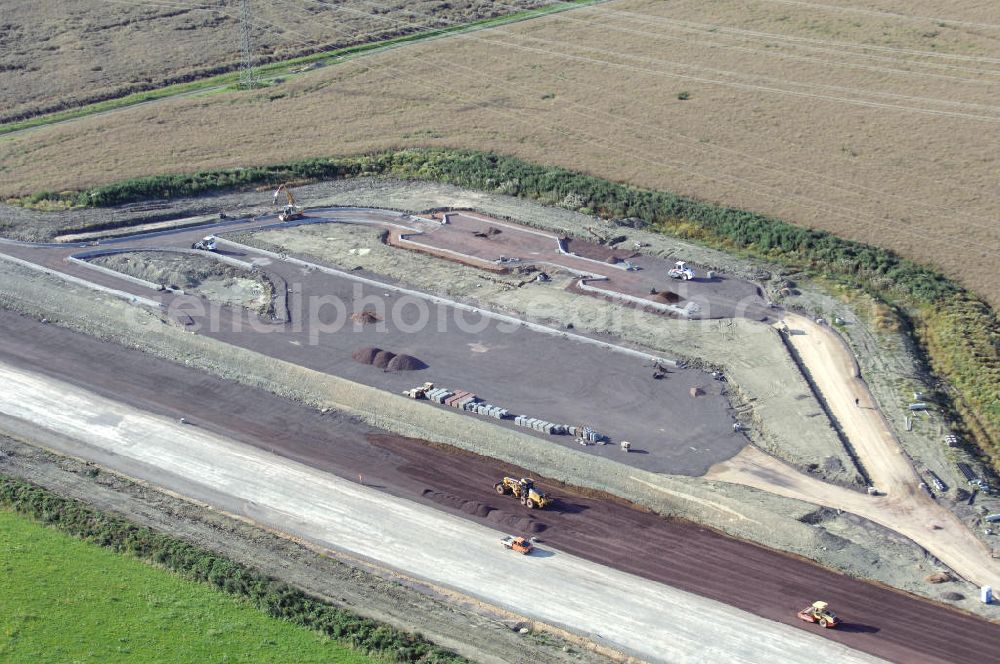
{"x": 873, "y": 123}
{"x": 58, "y": 54}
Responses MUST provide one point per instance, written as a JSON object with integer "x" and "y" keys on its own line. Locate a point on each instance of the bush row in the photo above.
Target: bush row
{"x": 275, "y": 598}
{"x": 957, "y": 332}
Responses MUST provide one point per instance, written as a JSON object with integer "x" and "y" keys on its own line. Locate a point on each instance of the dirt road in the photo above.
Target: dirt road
{"x": 647, "y": 619}
{"x": 882, "y": 622}
{"x": 905, "y": 508}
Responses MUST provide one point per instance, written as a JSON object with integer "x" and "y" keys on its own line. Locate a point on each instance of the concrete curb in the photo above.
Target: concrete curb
{"x": 115, "y": 273}
{"x": 129, "y": 297}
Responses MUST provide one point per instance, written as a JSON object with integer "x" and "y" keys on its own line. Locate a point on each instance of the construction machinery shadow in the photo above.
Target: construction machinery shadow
{"x": 857, "y": 628}
{"x": 561, "y": 506}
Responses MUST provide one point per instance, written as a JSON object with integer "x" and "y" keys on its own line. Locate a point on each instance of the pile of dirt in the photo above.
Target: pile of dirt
{"x": 476, "y": 508}
{"x": 667, "y": 297}
{"x": 489, "y": 232}
{"x": 697, "y": 392}
{"x": 454, "y": 502}
{"x": 515, "y": 523}
{"x": 383, "y": 358}
{"x": 387, "y": 360}
{"x": 938, "y": 577}
{"x": 365, "y": 317}
{"x": 403, "y": 362}
{"x": 366, "y": 354}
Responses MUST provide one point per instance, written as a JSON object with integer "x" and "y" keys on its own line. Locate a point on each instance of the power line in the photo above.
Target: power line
{"x": 248, "y": 75}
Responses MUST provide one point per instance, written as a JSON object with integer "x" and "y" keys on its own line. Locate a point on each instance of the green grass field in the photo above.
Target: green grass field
{"x": 65, "y": 600}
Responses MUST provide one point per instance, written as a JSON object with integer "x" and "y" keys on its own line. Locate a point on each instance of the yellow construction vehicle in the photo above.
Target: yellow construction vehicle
{"x": 819, "y": 613}
{"x": 524, "y": 490}
{"x": 291, "y": 211}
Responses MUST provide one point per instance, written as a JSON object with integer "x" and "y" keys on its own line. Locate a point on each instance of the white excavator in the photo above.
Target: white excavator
{"x": 681, "y": 271}
{"x": 291, "y": 211}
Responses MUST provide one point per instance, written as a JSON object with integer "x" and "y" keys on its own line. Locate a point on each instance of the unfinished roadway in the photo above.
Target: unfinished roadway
{"x": 882, "y": 622}
{"x": 632, "y": 615}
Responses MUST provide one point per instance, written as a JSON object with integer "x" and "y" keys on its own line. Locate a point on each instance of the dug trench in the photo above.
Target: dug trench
{"x": 881, "y": 621}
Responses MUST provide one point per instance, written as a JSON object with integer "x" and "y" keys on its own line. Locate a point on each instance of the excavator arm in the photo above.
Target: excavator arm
{"x": 288, "y": 193}
{"x": 291, "y": 210}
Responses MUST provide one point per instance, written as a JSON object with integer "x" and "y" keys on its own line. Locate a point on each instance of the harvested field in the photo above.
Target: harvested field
{"x": 877, "y": 126}
{"x": 59, "y": 55}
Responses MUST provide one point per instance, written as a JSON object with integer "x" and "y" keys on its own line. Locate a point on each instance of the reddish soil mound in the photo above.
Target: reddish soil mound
{"x": 516, "y": 523}
{"x": 403, "y": 362}
{"x": 667, "y": 297}
{"x": 366, "y": 354}
{"x": 365, "y": 317}
{"x": 382, "y": 359}
{"x": 473, "y": 507}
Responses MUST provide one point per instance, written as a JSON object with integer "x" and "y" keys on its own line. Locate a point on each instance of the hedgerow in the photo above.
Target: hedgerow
{"x": 271, "y": 596}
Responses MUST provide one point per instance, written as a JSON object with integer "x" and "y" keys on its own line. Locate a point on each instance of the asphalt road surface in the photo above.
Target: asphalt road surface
{"x": 889, "y": 624}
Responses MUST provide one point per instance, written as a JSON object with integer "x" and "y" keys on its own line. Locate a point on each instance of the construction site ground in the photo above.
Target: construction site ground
{"x": 539, "y": 375}
{"x": 508, "y": 296}
{"x": 893, "y": 375}
{"x": 472, "y": 234}
{"x": 654, "y": 622}
{"x": 751, "y": 355}
{"x": 841, "y": 541}
{"x": 884, "y": 622}
{"x": 209, "y": 278}
{"x": 552, "y": 377}
{"x": 778, "y": 384}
